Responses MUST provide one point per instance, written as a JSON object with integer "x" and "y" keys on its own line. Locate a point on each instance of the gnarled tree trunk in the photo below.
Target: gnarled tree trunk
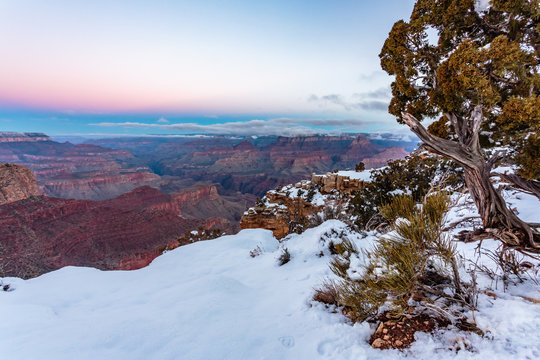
{"x": 496, "y": 217}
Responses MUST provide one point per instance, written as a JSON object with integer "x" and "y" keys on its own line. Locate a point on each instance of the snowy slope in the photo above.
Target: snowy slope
{"x": 211, "y": 300}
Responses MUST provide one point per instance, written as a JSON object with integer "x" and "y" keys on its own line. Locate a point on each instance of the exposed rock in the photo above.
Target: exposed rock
{"x": 16, "y": 183}
{"x": 40, "y": 234}
{"x": 98, "y": 187}
{"x": 290, "y": 208}
{"x": 275, "y": 220}
{"x": 382, "y": 158}
{"x": 12, "y": 137}
{"x": 335, "y": 182}
{"x": 399, "y": 333}
{"x": 81, "y": 171}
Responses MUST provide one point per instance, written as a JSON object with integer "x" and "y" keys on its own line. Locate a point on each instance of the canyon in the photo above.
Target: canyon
{"x": 117, "y": 203}
{"x": 256, "y": 164}
{"x": 40, "y": 233}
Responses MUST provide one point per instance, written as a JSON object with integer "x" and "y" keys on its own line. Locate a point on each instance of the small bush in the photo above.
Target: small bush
{"x": 327, "y": 293}
{"x": 360, "y": 166}
{"x": 256, "y": 252}
{"x": 310, "y": 194}
{"x": 259, "y": 203}
{"x": 416, "y": 261}
{"x": 284, "y": 257}
{"x": 413, "y": 176}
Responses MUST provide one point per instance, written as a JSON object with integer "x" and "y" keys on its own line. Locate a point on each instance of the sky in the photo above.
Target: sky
{"x": 169, "y": 67}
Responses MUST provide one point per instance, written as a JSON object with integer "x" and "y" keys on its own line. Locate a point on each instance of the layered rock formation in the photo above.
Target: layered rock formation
{"x": 294, "y": 207}
{"x": 335, "y": 182}
{"x": 98, "y": 186}
{"x": 39, "y": 233}
{"x": 255, "y": 165}
{"x": 16, "y": 183}
{"x": 110, "y": 167}
{"x": 82, "y": 171}
{"x": 380, "y": 159}
{"x": 12, "y": 137}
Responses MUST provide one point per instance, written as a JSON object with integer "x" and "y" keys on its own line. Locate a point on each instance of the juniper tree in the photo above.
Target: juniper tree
{"x": 477, "y": 72}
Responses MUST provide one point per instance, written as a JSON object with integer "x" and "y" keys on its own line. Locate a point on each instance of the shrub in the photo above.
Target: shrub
{"x": 415, "y": 262}
{"x": 259, "y": 203}
{"x": 327, "y": 293}
{"x": 310, "y": 194}
{"x": 256, "y": 252}
{"x": 413, "y": 176}
{"x": 360, "y": 166}
{"x": 284, "y": 257}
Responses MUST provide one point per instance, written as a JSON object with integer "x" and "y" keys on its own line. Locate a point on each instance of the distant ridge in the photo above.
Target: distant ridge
{"x": 12, "y": 137}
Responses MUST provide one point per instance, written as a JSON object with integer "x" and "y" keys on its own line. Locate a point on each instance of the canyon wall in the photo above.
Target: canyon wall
{"x": 40, "y": 233}
{"x": 16, "y": 183}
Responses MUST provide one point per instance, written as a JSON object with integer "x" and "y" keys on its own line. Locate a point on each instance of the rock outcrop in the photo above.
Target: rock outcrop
{"x": 16, "y": 183}
{"x": 293, "y": 208}
{"x": 335, "y": 182}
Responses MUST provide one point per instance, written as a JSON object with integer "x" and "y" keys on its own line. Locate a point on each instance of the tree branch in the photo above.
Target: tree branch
{"x": 474, "y": 124}
{"x": 443, "y": 146}
{"x": 531, "y": 187}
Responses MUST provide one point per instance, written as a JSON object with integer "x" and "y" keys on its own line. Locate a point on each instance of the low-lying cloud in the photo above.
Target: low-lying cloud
{"x": 278, "y": 126}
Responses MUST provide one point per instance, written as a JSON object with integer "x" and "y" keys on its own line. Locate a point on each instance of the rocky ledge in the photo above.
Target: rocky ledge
{"x": 293, "y": 208}
{"x": 16, "y": 183}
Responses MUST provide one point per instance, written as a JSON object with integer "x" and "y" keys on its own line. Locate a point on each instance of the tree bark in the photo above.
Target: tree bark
{"x": 496, "y": 217}
{"x": 529, "y": 186}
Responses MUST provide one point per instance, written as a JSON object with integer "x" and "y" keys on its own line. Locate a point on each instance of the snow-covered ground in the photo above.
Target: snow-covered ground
{"x": 212, "y": 300}
{"x": 364, "y": 175}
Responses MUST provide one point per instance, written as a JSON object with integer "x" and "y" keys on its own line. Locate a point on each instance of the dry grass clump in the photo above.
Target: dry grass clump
{"x": 327, "y": 294}
{"x": 284, "y": 256}
{"x": 412, "y": 268}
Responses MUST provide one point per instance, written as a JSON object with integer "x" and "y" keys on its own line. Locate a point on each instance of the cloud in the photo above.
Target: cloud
{"x": 374, "y": 76}
{"x": 376, "y": 100}
{"x": 278, "y": 126}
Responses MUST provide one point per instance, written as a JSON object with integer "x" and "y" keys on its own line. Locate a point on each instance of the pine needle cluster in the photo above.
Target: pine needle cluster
{"x": 413, "y": 266}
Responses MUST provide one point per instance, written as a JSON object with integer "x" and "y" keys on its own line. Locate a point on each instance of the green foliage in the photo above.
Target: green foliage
{"x": 259, "y": 202}
{"x": 344, "y": 251}
{"x": 520, "y": 122}
{"x": 400, "y": 206}
{"x": 412, "y": 262}
{"x": 488, "y": 59}
{"x": 529, "y": 158}
{"x": 412, "y": 176}
{"x": 360, "y": 166}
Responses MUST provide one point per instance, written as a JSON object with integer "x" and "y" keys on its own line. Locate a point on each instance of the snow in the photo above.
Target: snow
{"x": 359, "y": 175}
{"x": 212, "y": 300}
{"x": 482, "y": 5}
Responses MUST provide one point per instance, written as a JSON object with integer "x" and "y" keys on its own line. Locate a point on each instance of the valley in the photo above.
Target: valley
{"x": 119, "y": 203}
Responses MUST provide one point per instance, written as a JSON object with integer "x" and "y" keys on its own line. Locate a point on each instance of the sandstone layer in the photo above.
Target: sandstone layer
{"x": 16, "y": 183}
{"x": 293, "y": 208}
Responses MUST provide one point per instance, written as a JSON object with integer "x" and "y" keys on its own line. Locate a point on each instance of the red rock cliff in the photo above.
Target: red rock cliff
{"x": 16, "y": 183}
